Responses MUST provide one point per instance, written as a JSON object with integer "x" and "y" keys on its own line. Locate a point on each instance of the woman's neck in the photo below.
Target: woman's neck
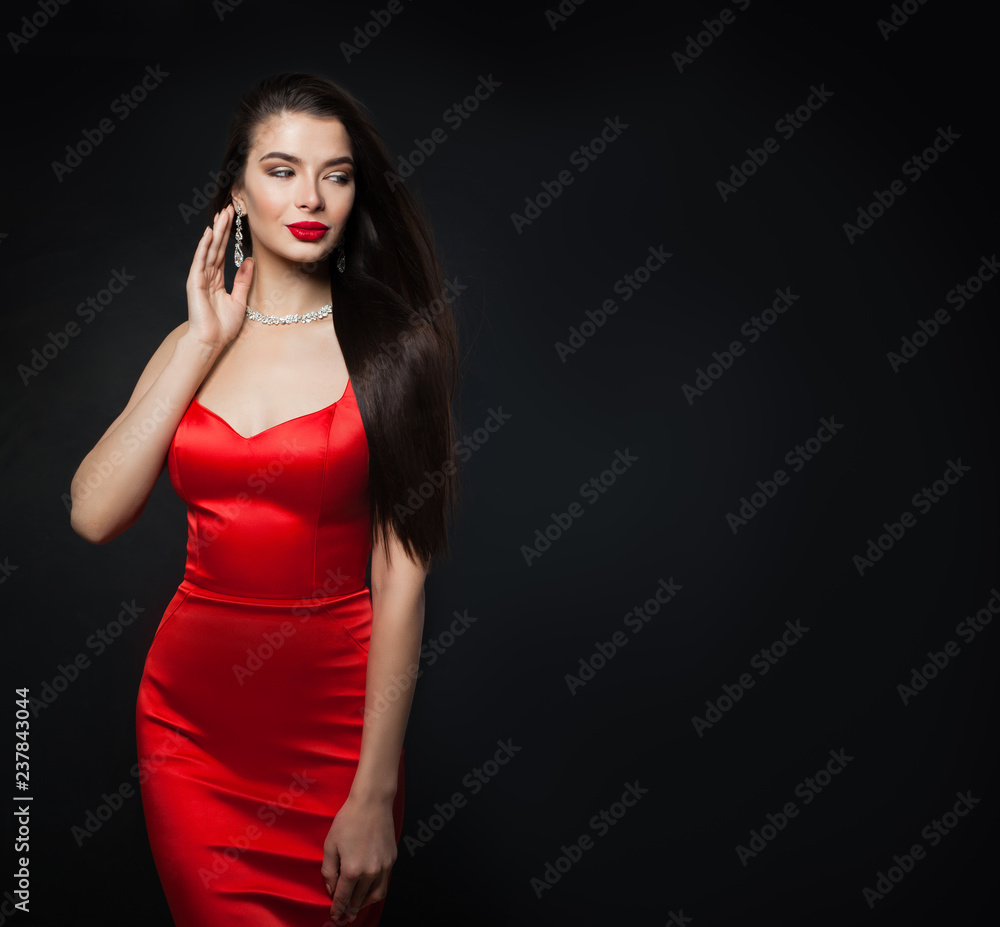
{"x": 285, "y": 287}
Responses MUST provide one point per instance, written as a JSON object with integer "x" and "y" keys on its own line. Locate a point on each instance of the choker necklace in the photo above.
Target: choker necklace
{"x": 288, "y": 319}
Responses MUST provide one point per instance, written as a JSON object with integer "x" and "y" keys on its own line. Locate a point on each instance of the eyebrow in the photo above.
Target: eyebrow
{"x": 342, "y": 159}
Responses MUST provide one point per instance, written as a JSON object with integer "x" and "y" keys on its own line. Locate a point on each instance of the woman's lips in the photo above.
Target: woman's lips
{"x": 308, "y": 231}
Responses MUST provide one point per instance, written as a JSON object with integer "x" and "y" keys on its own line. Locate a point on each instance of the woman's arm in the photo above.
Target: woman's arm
{"x": 361, "y": 846}
{"x": 112, "y": 485}
{"x": 393, "y": 661}
{"x": 114, "y": 481}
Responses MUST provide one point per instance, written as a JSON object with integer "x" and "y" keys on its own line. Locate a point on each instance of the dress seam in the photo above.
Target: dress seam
{"x": 191, "y": 515}
{"x": 322, "y": 494}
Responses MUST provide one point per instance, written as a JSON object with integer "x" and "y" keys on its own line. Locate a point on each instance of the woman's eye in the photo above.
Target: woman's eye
{"x": 283, "y": 172}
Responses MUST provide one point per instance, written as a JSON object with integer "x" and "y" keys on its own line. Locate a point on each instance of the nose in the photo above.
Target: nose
{"x": 308, "y": 195}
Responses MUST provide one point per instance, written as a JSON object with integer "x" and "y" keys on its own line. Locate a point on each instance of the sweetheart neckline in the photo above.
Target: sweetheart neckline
{"x": 279, "y": 424}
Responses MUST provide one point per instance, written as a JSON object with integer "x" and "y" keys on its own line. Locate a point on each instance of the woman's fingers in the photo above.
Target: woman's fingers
{"x": 241, "y": 283}
{"x": 216, "y": 250}
{"x": 207, "y": 265}
{"x": 196, "y": 276}
{"x": 358, "y": 897}
{"x": 341, "y": 900}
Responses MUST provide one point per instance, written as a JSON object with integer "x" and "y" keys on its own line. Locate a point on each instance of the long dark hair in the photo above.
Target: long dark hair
{"x": 393, "y": 319}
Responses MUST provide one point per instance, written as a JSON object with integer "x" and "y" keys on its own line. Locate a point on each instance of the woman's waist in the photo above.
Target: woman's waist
{"x": 247, "y": 591}
{"x": 281, "y": 566}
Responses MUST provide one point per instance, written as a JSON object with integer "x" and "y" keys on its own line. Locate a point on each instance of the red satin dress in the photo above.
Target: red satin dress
{"x": 252, "y": 699}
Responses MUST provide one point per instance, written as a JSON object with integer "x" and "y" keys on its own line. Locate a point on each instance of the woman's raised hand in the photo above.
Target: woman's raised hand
{"x": 215, "y": 316}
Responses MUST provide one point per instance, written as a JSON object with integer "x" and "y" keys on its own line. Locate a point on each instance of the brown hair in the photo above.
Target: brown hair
{"x": 393, "y": 319}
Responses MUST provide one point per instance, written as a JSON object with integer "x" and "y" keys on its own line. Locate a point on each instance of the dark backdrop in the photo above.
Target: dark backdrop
{"x": 811, "y": 743}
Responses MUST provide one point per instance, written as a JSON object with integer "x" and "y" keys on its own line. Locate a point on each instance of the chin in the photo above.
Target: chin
{"x": 305, "y": 256}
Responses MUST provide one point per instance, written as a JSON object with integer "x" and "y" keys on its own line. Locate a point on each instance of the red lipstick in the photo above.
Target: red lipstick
{"x": 308, "y": 231}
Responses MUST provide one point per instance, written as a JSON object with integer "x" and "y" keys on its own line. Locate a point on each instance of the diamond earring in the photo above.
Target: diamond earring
{"x": 239, "y": 236}
{"x": 341, "y": 260}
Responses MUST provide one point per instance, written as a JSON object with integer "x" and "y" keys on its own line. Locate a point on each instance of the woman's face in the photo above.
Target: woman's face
{"x": 299, "y": 170}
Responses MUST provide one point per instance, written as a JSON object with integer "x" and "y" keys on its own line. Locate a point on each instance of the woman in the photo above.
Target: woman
{"x": 277, "y": 688}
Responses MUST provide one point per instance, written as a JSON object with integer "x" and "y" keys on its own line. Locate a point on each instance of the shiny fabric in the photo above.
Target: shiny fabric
{"x": 251, "y": 704}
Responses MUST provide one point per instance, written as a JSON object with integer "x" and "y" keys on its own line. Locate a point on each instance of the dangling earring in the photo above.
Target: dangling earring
{"x": 341, "y": 260}
{"x": 239, "y": 236}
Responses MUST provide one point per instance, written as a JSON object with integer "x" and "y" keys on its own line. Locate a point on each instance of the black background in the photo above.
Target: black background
{"x": 664, "y": 517}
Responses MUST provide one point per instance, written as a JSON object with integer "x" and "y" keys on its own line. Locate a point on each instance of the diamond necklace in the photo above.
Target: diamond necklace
{"x": 288, "y": 319}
